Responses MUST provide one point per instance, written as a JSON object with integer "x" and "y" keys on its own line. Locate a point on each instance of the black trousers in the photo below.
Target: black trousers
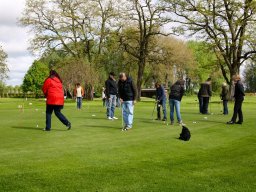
{"x": 57, "y": 110}
{"x": 238, "y": 111}
{"x": 205, "y": 104}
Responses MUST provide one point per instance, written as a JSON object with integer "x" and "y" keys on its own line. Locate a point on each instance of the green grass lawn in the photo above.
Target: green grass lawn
{"x": 96, "y": 156}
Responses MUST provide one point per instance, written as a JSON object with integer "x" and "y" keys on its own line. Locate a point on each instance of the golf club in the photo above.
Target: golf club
{"x": 152, "y": 116}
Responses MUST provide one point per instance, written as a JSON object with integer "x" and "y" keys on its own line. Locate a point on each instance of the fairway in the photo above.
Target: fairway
{"x": 97, "y": 156}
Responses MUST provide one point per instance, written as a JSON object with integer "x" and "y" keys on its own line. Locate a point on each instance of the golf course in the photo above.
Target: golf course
{"x": 96, "y": 156}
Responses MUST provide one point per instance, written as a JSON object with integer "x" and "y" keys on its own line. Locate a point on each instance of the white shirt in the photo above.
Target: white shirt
{"x": 79, "y": 92}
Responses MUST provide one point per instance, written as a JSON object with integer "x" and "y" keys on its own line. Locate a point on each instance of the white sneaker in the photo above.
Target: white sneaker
{"x": 115, "y": 118}
{"x": 109, "y": 118}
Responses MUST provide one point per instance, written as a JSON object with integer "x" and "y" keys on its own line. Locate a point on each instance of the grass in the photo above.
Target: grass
{"x": 96, "y": 156}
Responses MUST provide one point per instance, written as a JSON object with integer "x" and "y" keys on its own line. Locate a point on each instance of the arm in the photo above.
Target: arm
{"x": 210, "y": 90}
{"x": 135, "y": 93}
{"x": 162, "y": 94}
{"x": 82, "y": 92}
{"x": 241, "y": 88}
{"x": 45, "y": 87}
{"x": 182, "y": 91}
{"x": 107, "y": 89}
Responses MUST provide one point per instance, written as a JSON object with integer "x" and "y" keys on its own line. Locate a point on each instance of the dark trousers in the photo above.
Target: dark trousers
{"x": 225, "y": 107}
{"x": 238, "y": 111}
{"x": 57, "y": 110}
{"x": 200, "y": 100}
{"x": 205, "y": 104}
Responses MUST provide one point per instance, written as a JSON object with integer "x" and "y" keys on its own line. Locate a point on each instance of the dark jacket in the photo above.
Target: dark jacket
{"x": 177, "y": 92}
{"x": 160, "y": 93}
{"x": 224, "y": 93}
{"x": 111, "y": 87}
{"x": 206, "y": 90}
{"x": 239, "y": 91}
{"x": 127, "y": 90}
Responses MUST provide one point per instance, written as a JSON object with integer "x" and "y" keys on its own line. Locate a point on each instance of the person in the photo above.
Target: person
{"x": 128, "y": 94}
{"x": 161, "y": 101}
{"x": 103, "y": 96}
{"x": 53, "y": 91}
{"x": 206, "y": 93}
{"x": 224, "y": 98}
{"x": 111, "y": 92}
{"x": 200, "y": 99}
{"x": 239, "y": 98}
{"x": 79, "y": 93}
{"x": 175, "y": 97}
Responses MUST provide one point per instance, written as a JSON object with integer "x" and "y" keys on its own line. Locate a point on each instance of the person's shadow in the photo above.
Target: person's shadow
{"x": 32, "y": 128}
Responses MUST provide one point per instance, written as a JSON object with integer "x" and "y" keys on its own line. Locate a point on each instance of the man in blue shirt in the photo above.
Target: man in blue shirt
{"x": 161, "y": 101}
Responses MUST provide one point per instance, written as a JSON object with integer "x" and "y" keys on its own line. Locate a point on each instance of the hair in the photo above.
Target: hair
{"x": 209, "y": 79}
{"x": 78, "y": 84}
{"x": 121, "y": 75}
{"x": 53, "y": 74}
{"x": 112, "y": 74}
{"x": 180, "y": 82}
{"x": 157, "y": 84}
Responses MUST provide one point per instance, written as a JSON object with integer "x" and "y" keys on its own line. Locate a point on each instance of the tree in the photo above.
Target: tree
{"x": 229, "y": 25}
{"x": 35, "y": 77}
{"x": 250, "y": 77}
{"x": 3, "y": 66}
{"x": 146, "y": 19}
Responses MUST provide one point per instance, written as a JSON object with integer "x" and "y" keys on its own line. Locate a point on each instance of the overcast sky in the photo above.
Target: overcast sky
{"x": 14, "y": 40}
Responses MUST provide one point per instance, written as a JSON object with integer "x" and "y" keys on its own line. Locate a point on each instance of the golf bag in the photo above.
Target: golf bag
{"x": 185, "y": 134}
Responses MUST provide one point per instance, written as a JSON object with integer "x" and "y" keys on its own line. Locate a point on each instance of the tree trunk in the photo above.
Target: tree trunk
{"x": 141, "y": 65}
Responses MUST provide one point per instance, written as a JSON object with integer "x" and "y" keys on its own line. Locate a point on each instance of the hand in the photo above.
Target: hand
{"x": 134, "y": 102}
{"x": 121, "y": 100}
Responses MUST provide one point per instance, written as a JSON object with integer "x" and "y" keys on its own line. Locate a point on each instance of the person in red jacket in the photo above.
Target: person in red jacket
{"x": 53, "y": 91}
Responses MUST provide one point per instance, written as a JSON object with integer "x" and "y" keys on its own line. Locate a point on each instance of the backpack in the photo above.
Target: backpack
{"x": 185, "y": 134}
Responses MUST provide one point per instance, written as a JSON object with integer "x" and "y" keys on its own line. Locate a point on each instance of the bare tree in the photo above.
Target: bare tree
{"x": 228, "y": 24}
{"x": 3, "y": 66}
{"x": 146, "y": 21}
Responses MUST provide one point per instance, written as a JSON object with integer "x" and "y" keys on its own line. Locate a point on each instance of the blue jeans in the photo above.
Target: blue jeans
{"x": 225, "y": 107}
{"x": 79, "y": 102}
{"x": 57, "y": 110}
{"x": 176, "y": 104}
{"x": 163, "y": 104}
{"x": 128, "y": 109}
{"x": 111, "y": 106}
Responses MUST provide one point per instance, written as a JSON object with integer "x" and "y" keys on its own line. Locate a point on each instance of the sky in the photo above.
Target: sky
{"x": 15, "y": 40}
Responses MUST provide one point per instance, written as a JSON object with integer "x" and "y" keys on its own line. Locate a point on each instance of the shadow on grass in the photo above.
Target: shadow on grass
{"x": 103, "y": 127}
{"x": 33, "y": 128}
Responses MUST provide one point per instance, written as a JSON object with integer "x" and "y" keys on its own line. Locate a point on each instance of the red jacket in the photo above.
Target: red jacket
{"x": 53, "y": 91}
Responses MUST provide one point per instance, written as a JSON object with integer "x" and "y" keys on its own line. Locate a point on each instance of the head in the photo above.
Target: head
{"x": 236, "y": 78}
{"x": 209, "y": 80}
{"x": 122, "y": 77}
{"x": 78, "y": 84}
{"x": 157, "y": 85}
{"x": 180, "y": 82}
{"x": 103, "y": 88}
{"x": 112, "y": 75}
{"x": 224, "y": 84}
{"x": 53, "y": 74}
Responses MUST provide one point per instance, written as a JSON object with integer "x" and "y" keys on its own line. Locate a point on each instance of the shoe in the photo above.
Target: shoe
{"x": 231, "y": 123}
{"x": 172, "y": 122}
{"x": 125, "y": 129}
{"x": 46, "y": 129}
{"x": 239, "y": 122}
{"x": 109, "y": 118}
{"x": 164, "y": 119}
{"x": 180, "y": 122}
{"x": 115, "y": 118}
{"x": 69, "y": 126}
{"x": 157, "y": 119}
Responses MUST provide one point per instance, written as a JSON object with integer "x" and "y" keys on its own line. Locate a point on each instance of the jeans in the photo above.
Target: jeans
{"x": 176, "y": 104}
{"x": 205, "y": 105}
{"x": 238, "y": 111}
{"x": 200, "y": 100}
{"x": 111, "y": 105}
{"x": 163, "y": 104}
{"x": 57, "y": 110}
{"x": 79, "y": 102}
{"x": 225, "y": 107}
{"x": 128, "y": 108}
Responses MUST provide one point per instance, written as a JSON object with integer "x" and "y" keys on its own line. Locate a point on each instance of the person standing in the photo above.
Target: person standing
{"x": 161, "y": 101}
{"x": 79, "y": 93}
{"x": 103, "y": 96}
{"x": 128, "y": 94}
{"x": 111, "y": 92}
{"x": 200, "y": 99}
{"x": 206, "y": 93}
{"x": 239, "y": 98}
{"x": 224, "y": 98}
{"x": 175, "y": 97}
{"x": 53, "y": 91}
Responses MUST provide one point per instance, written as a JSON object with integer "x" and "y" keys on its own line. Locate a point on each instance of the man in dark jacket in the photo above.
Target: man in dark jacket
{"x": 111, "y": 92}
{"x": 206, "y": 93}
{"x": 161, "y": 101}
{"x": 128, "y": 94}
{"x": 176, "y": 94}
{"x": 239, "y": 98}
{"x": 224, "y": 98}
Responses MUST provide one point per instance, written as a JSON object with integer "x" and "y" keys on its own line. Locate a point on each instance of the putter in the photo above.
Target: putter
{"x": 152, "y": 116}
